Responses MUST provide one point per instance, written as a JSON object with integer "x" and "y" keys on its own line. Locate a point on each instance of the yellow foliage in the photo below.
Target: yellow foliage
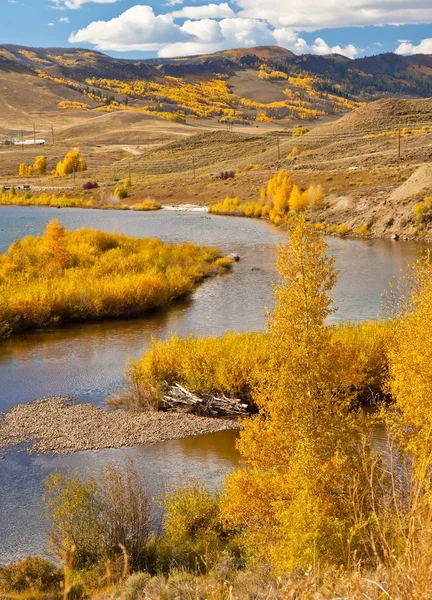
{"x": 298, "y": 131}
{"x": 298, "y": 200}
{"x": 40, "y": 165}
{"x": 8, "y": 198}
{"x": 423, "y": 210}
{"x": 228, "y": 364}
{"x": 73, "y": 105}
{"x": 147, "y": 205}
{"x": 342, "y": 229}
{"x": 301, "y": 453}
{"x": 314, "y": 196}
{"x": 274, "y": 75}
{"x": 362, "y": 230}
{"x": 72, "y": 163}
{"x": 88, "y": 274}
{"x": 277, "y": 200}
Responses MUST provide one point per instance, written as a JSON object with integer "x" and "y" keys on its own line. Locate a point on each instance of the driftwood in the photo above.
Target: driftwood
{"x": 176, "y": 397}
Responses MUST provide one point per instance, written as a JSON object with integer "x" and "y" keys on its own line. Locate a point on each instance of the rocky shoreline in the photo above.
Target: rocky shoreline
{"x": 59, "y": 425}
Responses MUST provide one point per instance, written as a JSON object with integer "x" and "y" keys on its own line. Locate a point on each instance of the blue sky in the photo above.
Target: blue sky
{"x": 130, "y": 29}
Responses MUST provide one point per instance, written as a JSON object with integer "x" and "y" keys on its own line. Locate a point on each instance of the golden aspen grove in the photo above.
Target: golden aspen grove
{"x": 278, "y": 200}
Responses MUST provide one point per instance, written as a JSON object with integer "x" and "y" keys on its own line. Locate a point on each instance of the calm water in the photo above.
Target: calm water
{"x": 88, "y": 360}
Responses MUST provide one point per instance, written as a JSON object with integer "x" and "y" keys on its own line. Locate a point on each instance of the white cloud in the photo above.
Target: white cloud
{"x": 312, "y": 15}
{"x": 138, "y": 28}
{"x": 288, "y": 38}
{"x": 75, "y": 4}
{"x": 64, "y": 20}
{"x": 406, "y": 47}
{"x": 206, "y": 11}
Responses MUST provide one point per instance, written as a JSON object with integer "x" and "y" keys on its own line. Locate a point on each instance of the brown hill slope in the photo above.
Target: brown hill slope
{"x": 26, "y": 99}
{"x": 383, "y": 115}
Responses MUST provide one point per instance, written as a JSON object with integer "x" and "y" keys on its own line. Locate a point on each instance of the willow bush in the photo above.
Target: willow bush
{"x": 88, "y": 274}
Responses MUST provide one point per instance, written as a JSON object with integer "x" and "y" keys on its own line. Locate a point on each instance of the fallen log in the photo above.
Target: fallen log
{"x": 175, "y": 397}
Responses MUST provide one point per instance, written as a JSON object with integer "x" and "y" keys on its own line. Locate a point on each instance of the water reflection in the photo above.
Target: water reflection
{"x": 22, "y": 522}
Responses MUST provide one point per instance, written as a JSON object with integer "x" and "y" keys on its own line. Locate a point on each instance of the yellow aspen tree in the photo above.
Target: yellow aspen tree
{"x": 410, "y": 369}
{"x": 297, "y": 200}
{"x": 300, "y": 453}
{"x": 40, "y": 165}
{"x": 54, "y": 238}
{"x": 314, "y": 196}
{"x": 22, "y": 171}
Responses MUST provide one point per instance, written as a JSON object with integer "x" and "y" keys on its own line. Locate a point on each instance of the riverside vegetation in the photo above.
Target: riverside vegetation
{"x": 316, "y": 510}
{"x": 88, "y": 274}
{"x": 278, "y": 199}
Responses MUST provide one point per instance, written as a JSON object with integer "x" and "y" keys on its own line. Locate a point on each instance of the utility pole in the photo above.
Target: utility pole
{"x": 278, "y": 148}
{"x": 193, "y": 166}
{"x": 52, "y": 134}
{"x": 130, "y": 179}
{"x": 399, "y": 144}
{"x": 34, "y": 134}
{"x": 22, "y": 140}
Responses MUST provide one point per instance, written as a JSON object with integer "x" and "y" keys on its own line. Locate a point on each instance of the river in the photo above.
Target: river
{"x": 88, "y": 360}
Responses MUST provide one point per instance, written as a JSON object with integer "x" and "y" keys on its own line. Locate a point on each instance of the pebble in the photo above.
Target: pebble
{"x": 59, "y": 425}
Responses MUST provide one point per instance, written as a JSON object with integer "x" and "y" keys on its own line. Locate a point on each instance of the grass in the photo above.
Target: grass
{"x": 65, "y": 276}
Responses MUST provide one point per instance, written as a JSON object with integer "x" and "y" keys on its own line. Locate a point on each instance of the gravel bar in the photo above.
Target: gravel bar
{"x": 59, "y": 425}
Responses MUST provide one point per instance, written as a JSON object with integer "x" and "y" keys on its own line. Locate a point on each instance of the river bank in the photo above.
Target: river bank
{"x": 58, "y": 425}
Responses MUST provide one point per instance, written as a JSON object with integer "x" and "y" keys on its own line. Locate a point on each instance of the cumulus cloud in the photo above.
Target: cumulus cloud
{"x": 407, "y": 47}
{"x": 138, "y": 28}
{"x": 205, "y": 29}
{"x": 288, "y": 38}
{"x": 75, "y": 4}
{"x": 212, "y": 27}
{"x": 206, "y": 11}
{"x": 312, "y": 15}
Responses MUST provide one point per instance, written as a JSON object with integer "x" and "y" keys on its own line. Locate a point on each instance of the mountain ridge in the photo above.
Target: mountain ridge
{"x": 364, "y": 78}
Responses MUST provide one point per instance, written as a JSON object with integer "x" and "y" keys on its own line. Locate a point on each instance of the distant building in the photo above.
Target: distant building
{"x": 30, "y": 143}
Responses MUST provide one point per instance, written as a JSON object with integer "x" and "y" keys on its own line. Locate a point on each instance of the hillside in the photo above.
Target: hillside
{"x": 249, "y": 112}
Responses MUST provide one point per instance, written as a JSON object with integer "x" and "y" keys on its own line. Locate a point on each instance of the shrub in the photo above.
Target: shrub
{"x": 90, "y": 185}
{"x": 72, "y": 163}
{"x": 226, "y": 175}
{"x": 362, "y": 230}
{"x": 10, "y": 198}
{"x": 87, "y": 274}
{"x": 298, "y": 131}
{"x": 192, "y": 526}
{"x": 342, "y": 229}
{"x": 134, "y": 586}
{"x": 147, "y": 205}
{"x": 121, "y": 192}
{"x": 33, "y": 573}
{"x": 94, "y": 518}
{"x": 251, "y": 167}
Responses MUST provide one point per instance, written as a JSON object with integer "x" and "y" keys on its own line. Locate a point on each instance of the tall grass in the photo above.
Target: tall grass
{"x": 11, "y": 199}
{"x": 87, "y": 274}
{"x": 64, "y": 201}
